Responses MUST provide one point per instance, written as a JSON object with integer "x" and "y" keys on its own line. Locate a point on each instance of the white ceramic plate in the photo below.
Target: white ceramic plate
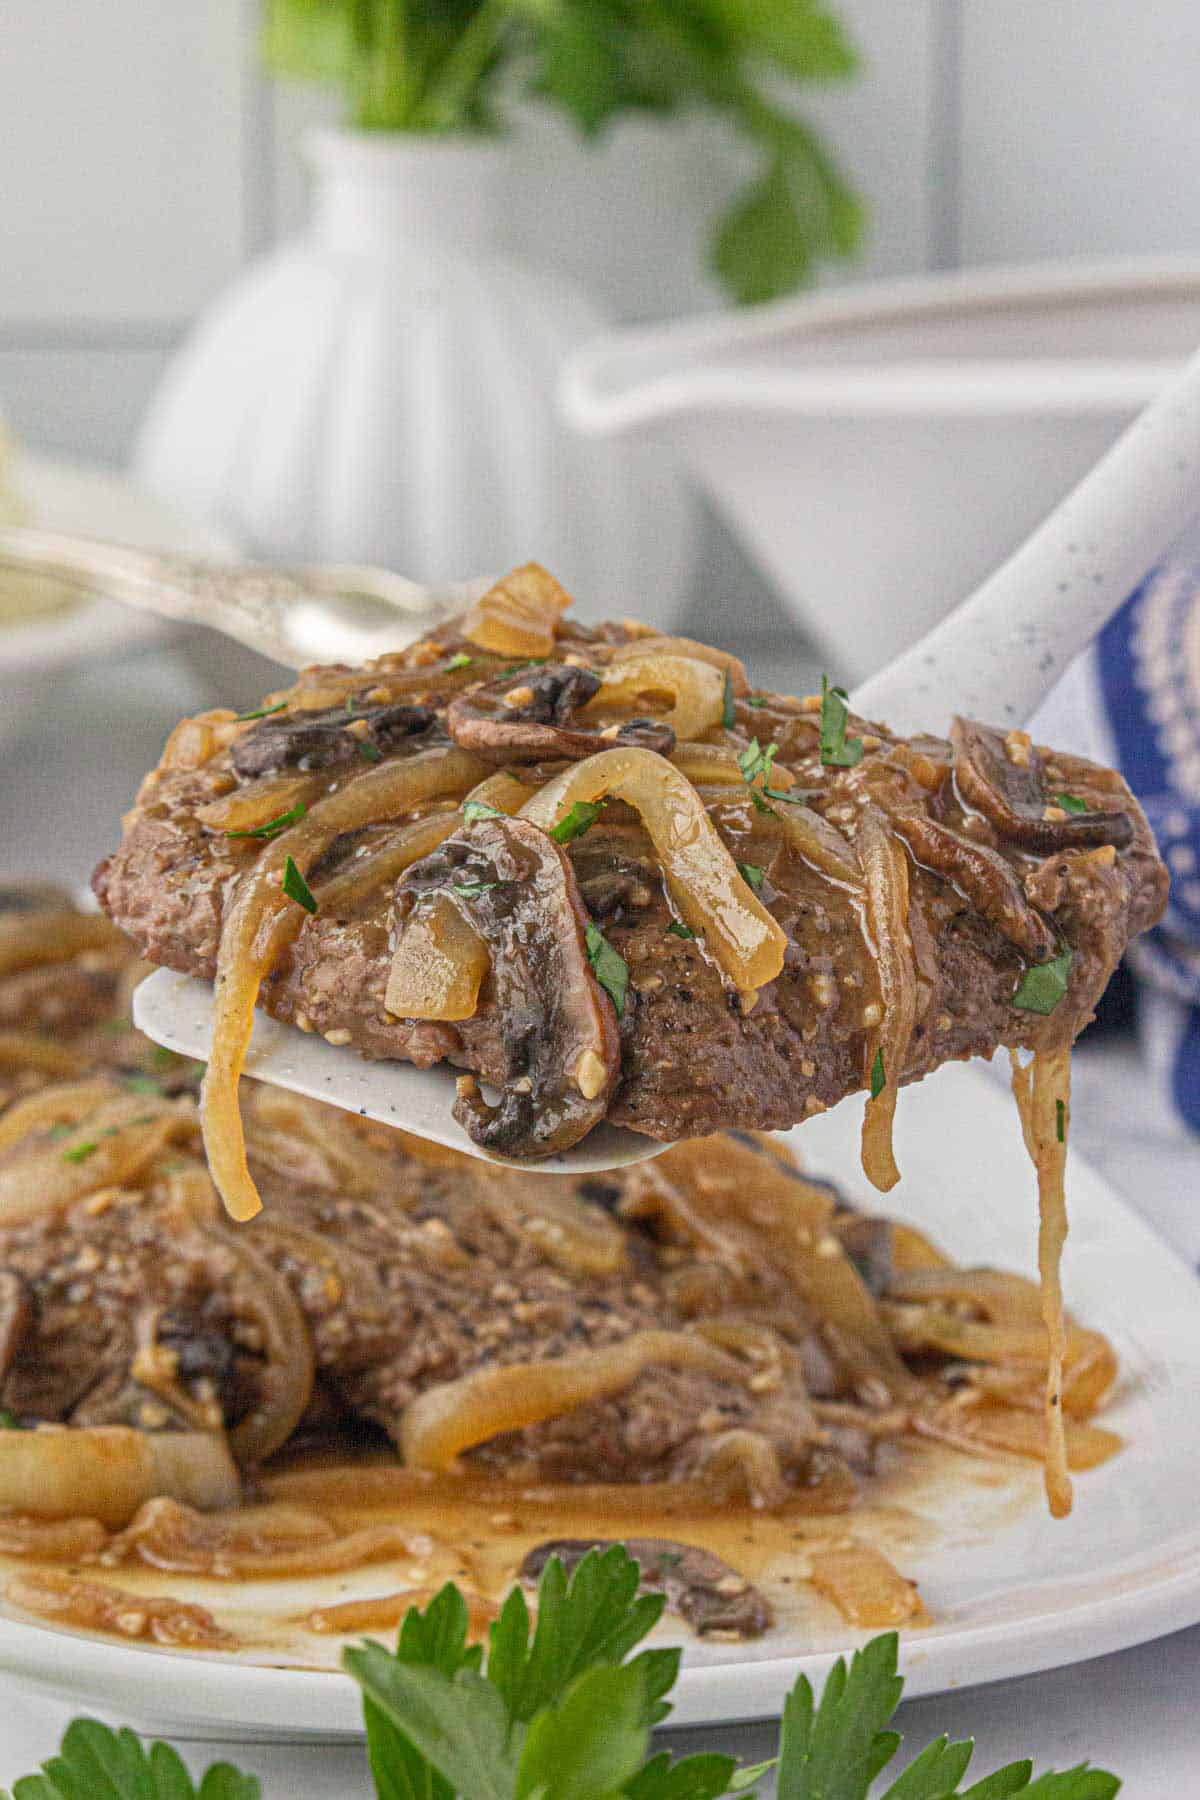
{"x": 1010, "y": 1591}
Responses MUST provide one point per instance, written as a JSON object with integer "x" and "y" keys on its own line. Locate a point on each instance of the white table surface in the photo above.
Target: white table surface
{"x": 62, "y": 788}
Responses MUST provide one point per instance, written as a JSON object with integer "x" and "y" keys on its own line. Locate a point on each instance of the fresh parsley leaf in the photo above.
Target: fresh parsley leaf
{"x": 1071, "y": 803}
{"x": 878, "y": 1075}
{"x": 460, "y": 660}
{"x": 369, "y": 752}
{"x": 756, "y": 704}
{"x": 457, "y": 1724}
{"x": 98, "y": 1764}
{"x": 435, "y": 1638}
{"x": 834, "y": 1751}
{"x": 610, "y": 969}
{"x": 754, "y": 761}
{"x": 467, "y": 890}
{"x": 573, "y": 824}
{"x": 752, "y": 875}
{"x": 479, "y": 809}
{"x": 592, "y": 1621}
{"x": 1080, "y": 1783}
{"x": 678, "y": 929}
{"x": 937, "y": 1771}
{"x": 592, "y": 1744}
{"x": 704, "y": 1777}
{"x": 837, "y": 750}
{"x": 728, "y": 705}
{"x": 274, "y": 826}
{"x": 60, "y": 1130}
{"x": 1044, "y": 984}
{"x": 760, "y": 805}
{"x": 264, "y": 712}
{"x": 296, "y": 888}
{"x": 8, "y": 1420}
{"x": 1060, "y": 1121}
{"x": 143, "y": 1084}
{"x": 79, "y": 1153}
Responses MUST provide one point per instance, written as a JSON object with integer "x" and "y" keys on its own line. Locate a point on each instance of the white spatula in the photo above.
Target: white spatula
{"x": 994, "y": 658}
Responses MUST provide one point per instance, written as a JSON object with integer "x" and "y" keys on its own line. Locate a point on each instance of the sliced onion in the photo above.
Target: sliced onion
{"x": 106, "y": 1472}
{"x": 695, "y": 689}
{"x": 439, "y": 966}
{"x": 444, "y": 1421}
{"x": 32, "y": 940}
{"x": 256, "y": 804}
{"x": 885, "y": 895}
{"x": 286, "y": 1378}
{"x": 718, "y": 764}
{"x": 866, "y": 1588}
{"x": 263, "y": 922}
{"x": 379, "y": 868}
{"x": 819, "y": 842}
{"x": 685, "y": 646}
{"x": 195, "y": 742}
{"x": 112, "y": 1146}
{"x": 517, "y": 617}
{"x": 699, "y": 871}
{"x": 32, "y": 1050}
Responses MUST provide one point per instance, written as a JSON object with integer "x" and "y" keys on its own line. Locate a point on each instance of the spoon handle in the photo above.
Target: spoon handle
{"x": 998, "y": 654}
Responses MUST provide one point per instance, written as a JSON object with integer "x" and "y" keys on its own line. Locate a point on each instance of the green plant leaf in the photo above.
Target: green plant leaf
{"x": 435, "y": 1638}
{"x": 1081, "y": 1783}
{"x": 458, "y": 1724}
{"x": 590, "y": 1745}
{"x": 937, "y": 1771}
{"x": 798, "y": 36}
{"x": 95, "y": 1763}
{"x": 592, "y": 1621}
{"x": 691, "y": 1778}
{"x": 834, "y": 1751}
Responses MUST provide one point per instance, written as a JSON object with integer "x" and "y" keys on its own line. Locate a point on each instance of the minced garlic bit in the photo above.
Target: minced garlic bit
{"x": 519, "y": 696}
{"x": 872, "y": 1015}
{"x": 338, "y": 1038}
{"x": 1053, "y": 812}
{"x": 590, "y": 1074}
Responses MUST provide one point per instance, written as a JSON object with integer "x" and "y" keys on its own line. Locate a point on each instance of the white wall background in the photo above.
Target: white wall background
{"x": 143, "y": 159}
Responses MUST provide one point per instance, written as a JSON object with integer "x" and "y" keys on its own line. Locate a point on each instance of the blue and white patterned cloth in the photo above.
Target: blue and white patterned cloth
{"x": 1133, "y": 700}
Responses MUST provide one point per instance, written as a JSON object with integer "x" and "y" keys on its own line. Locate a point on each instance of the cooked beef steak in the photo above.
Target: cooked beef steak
{"x": 1001, "y": 876}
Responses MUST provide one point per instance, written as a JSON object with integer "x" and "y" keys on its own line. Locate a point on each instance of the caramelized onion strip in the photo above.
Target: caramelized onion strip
{"x": 263, "y": 921}
{"x": 703, "y": 878}
{"x": 695, "y": 689}
{"x": 251, "y": 807}
{"x": 31, "y": 940}
{"x": 445, "y": 1421}
{"x": 885, "y": 900}
{"x": 1042, "y": 1090}
{"x": 722, "y": 660}
{"x": 106, "y": 1472}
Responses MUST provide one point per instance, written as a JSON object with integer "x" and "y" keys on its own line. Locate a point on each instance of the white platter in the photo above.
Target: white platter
{"x": 177, "y": 1011}
{"x": 1010, "y": 1591}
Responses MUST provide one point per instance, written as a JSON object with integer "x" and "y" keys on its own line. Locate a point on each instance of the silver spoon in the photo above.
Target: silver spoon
{"x": 333, "y": 612}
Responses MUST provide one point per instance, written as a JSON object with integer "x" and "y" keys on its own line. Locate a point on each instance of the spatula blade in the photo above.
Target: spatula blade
{"x": 177, "y": 1012}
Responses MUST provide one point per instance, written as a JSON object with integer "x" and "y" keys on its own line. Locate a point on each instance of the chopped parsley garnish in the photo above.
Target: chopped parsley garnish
{"x": 460, "y": 660}
{"x": 677, "y": 928}
{"x": 878, "y": 1075}
{"x": 1060, "y": 1121}
{"x": 296, "y": 888}
{"x": 80, "y": 1152}
{"x": 467, "y": 890}
{"x": 116, "y": 1027}
{"x": 752, "y": 875}
{"x": 610, "y": 969}
{"x": 61, "y": 1131}
{"x": 837, "y": 750}
{"x": 728, "y": 708}
{"x": 8, "y": 1421}
{"x": 581, "y": 818}
{"x": 162, "y": 1058}
{"x": 144, "y": 1084}
{"x": 1043, "y": 986}
{"x": 351, "y": 703}
{"x": 479, "y": 809}
{"x": 531, "y": 662}
{"x": 369, "y": 752}
{"x": 1071, "y": 803}
{"x": 755, "y": 761}
{"x": 756, "y": 704}
{"x": 273, "y": 827}
{"x": 264, "y": 712}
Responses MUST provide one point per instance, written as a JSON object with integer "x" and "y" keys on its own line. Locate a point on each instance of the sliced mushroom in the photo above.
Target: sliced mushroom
{"x": 868, "y": 1241}
{"x": 333, "y": 739}
{"x": 706, "y": 1592}
{"x": 527, "y": 714}
{"x": 1010, "y": 791}
{"x": 515, "y": 887}
{"x": 988, "y": 881}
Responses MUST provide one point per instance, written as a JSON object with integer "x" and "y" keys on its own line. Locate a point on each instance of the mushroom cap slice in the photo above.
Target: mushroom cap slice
{"x": 334, "y": 738}
{"x": 516, "y": 889}
{"x": 988, "y": 881}
{"x": 1012, "y": 796}
{"x": 527, "y": 715}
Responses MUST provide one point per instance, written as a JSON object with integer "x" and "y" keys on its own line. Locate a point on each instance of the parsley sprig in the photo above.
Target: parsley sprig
{"x": 837, "y": 750}
{"x": 609, "y": 967}
{"x": 563, "y": 1709}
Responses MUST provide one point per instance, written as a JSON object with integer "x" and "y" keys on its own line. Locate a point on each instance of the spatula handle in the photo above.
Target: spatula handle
{"x": 998, "y": 654}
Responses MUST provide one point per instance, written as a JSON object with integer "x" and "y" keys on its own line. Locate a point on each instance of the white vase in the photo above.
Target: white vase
{"x": 383, "y": 389}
